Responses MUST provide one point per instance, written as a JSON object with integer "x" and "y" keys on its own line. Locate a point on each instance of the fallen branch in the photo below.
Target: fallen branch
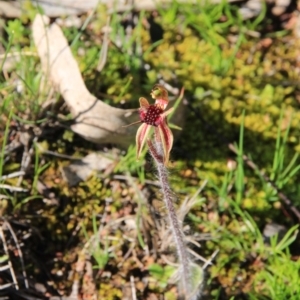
{"x": 280, "y": 194}
{"x": 12, "y": 188}
{"x": 56, "y": 8}
{"x": 94, "y": 120}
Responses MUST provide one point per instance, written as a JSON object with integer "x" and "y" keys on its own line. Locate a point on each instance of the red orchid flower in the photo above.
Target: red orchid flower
{"x": 155, "y": 115}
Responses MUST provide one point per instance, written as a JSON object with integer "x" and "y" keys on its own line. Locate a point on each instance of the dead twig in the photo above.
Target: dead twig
{"x": 9, "y": 264}
{"x": 20, "y": 253}
{"x": 12, "y": 175}
{"x": 104, "y": 49}
{"x": 93, "y": 119}
{"x": 13, "y": 188}
{"x": 209, "y": 261}
{"x": 133, "y": 289}
{"x": 280, "y": 194}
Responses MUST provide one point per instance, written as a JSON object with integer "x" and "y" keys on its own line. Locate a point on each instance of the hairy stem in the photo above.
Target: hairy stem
{"x": 156, "y": 151}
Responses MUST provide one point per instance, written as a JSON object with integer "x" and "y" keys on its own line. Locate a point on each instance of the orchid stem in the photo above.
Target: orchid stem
{"x": 156, "y": 151}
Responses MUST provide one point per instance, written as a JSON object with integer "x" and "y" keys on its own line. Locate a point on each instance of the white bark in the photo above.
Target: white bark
{"x": 95, "y": 120}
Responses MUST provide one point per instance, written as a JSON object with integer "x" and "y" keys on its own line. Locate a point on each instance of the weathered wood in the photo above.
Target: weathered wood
{"x": 95, "y": 120}
{"x": 57, "y": 8}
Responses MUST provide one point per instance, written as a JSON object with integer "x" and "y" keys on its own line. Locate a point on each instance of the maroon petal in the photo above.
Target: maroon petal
{"x": 141, "y": 137}
{"x": 166, "y": 138}
{"x": 169, "y": 111}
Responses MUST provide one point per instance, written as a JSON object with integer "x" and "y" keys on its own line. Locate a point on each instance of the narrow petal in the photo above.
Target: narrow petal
{"x": 166, "y": 137}
{"x": 169, "y": 111}
{"x": 141, "y": 137}
{"x": 144, "y": 102}
{"x": 137, "y": 122}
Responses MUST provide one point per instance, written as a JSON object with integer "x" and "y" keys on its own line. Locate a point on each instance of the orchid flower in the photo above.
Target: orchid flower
{"x": 155, "y": 115}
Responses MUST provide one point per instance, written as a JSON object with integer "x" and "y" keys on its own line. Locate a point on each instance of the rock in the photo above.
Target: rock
{"x": 80, "y": 170}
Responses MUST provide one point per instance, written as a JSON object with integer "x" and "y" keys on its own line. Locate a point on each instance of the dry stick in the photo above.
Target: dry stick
{"x": 13, "y": 188}
{"x": 12, "y": 272}
{"x": 12, "y": 175}
{"x": 156, "y": 151}
{"x": 104, "y": 49}
{"x": 133, "y": 289}
{"x": 281, "y": 195}
{"x": 20, "y": 253}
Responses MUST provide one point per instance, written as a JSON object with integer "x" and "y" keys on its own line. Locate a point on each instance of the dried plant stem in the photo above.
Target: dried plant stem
{"x": 288, "y": 202}
{"x": 156, "y": 151}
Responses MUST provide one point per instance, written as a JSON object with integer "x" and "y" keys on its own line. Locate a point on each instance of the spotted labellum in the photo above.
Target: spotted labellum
{"x": 154, "y": 116}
